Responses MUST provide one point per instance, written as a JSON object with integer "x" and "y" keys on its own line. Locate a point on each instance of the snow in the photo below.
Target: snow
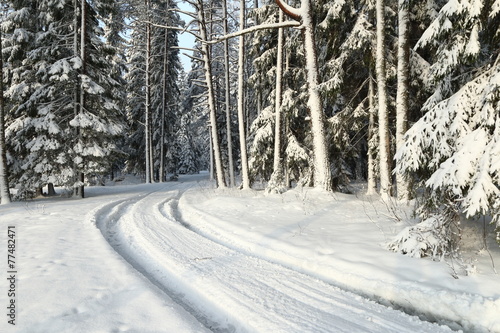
{"x": 185, "y": 257}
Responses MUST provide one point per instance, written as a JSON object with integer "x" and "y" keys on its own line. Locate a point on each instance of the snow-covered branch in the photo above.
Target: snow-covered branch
{"x": 255, "y": 28}
{"x": 181, "y": 29}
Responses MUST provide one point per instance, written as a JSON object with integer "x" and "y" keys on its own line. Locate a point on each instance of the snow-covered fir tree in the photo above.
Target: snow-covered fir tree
{"x": 454, "y": 148}
{"x": 53, "y": 136}
{"x": 153, "y": 78}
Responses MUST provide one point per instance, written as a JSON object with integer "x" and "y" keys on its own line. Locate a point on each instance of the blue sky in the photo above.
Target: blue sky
{"x": 185, "y": 39}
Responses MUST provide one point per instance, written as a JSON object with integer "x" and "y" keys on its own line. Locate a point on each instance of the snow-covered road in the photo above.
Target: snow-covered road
{"x": 228, "y": 290}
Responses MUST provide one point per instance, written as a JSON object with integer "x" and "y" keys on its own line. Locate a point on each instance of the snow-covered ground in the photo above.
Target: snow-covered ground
{"x": 184, "y": 257}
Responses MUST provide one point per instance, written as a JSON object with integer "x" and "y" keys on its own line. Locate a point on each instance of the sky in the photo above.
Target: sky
{"x": 185, "y": 39}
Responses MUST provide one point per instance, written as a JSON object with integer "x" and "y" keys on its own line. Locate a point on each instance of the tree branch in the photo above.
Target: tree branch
{"x": 292, "y": 12}
{"x": 255, "y": 28}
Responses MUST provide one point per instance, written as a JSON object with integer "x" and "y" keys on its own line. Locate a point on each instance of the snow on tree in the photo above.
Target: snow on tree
{"x": 322, "y": 172}
{"x": 402, "y": 99}
{"x": 4, "y": 181}
{"x": 383, "y": 112}
{"x": 52, "y": 142}
{"x": 454, "y": 147}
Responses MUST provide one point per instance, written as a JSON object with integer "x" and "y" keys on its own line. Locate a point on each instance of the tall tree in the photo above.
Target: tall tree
{"x": 241, "y": 102}
{"x": 322, "y": 173}
{"x": 205, "y": 50}
{"x": 47, "y": 71}
{"x": 227, "y": 88}
{"x": 4, "y": 180}
{"x": 402, "y": 101}
{"x": 276, "y": 183}
{"x": 453, "y": 148}
{"x": 383, "y": 112}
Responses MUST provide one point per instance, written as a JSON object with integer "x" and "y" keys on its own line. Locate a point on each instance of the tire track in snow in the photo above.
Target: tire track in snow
{"x": 231, "y": 291}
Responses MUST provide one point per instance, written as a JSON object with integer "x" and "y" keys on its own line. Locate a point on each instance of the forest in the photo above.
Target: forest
{"x": 402, "y": 95}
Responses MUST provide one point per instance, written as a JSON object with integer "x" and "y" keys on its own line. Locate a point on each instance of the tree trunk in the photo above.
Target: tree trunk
{"x": 322, "y": 173}
{"x": 228, "y": 102}
{"x": 277, "y": 183}
{"x": 4, "y": 182}
{"x": 50, "y": 190}
{"x": 211, "y": 102}
{"x": 372, "y": 160}
{"x": 383, "y": 119}
{"x": 79, "y": 189}
{"x": 241, "y": 101}
{"x": 164, "y": 110}
{"x": 147, "y": 129}
{"x": 402, "y": 104}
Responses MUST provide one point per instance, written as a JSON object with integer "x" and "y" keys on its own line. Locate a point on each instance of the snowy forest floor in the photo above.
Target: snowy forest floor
{"x": 184, "y": 257}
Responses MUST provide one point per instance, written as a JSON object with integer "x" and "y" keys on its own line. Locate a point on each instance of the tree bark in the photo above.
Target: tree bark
{"x": 163, "y": 112}
{"x": 277, "y": 179}
{"x": 372, "y": 161}
{"x": 402, "y": 103}
{"x": 383, "y": 119}
{"x": 4, "y": 182}
{"x": 147, "y": 129}
{"x": 79, "y": 190}
{"x": 241, "y": 106}
{"x": 322, "y": 173}
{"x": 211, "y": 102}
{"x": 228, "y": 97}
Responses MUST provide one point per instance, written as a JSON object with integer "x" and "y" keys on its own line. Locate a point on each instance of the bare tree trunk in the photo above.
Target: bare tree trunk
{"x": 241, "y": 102}
{"x": 211, "y": 102}
{"x": 383, "y": 119}
{"x": 4, "y": 182}
{"x": 372, "y": 160}
{"x": 164, "y": 107}
{"x": 80, "y": 189}
{"x": 402, "y": 104}
{"x": 276, "y": 183}
{"x": 322, "y": 173}
{"x": 147, "y": 129}
{"x": 228, "y": 101}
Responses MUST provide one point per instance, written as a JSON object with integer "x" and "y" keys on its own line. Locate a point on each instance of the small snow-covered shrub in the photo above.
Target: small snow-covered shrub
{"x": 433, "y": 237}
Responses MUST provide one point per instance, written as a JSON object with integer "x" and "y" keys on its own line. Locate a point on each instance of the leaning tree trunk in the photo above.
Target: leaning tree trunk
{"x": 211, "y": 102}
{"x": 241, "y": 103}
{"x": 322, "y": 173}
{"x": 383, "y": 119}
{"x": 402, "y": 104}
{"x": 4, "y": 183}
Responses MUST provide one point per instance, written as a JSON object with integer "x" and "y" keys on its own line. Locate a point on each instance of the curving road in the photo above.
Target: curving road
{"x": 229, "y": 291}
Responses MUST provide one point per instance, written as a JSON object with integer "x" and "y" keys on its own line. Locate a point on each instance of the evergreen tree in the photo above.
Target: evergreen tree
{"x": 53, "y": 142}
{"x": 454, "y": 148}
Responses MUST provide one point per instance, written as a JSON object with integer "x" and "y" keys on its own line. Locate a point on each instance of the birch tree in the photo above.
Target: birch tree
{"x": 383, "y": 118}
{"x": 241, "y": 102}
{"x": 322, "y": 173}
{"x": 402, "y": 103}
{"x": 276, "y": 183}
